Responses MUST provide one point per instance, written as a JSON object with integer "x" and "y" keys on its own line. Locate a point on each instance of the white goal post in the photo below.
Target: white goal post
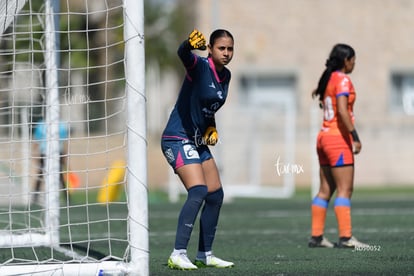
{"x": 73, "y": 200}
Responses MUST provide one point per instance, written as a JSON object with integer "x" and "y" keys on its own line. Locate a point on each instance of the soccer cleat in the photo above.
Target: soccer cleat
{"x": 351, "y": 243}
{"x": 181, "y": 262}
{"x": 213, "y": 261}
{"x": 320, "y": 241}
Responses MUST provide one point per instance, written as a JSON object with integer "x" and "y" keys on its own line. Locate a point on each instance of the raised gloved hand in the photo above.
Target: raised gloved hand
{"x": 197, "y": 40}
{"x": 210, "y": 136}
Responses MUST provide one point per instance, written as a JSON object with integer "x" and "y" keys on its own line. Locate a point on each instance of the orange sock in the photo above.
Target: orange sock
{"x": 319, "y": 209}
{"x": 343, "y": 216}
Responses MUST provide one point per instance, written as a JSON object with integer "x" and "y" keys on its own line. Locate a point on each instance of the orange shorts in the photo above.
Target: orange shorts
{"x": 334, "y": 150}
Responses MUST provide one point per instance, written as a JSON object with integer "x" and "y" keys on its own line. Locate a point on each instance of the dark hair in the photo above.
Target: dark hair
{"x": 335, "y": 62}
{"x": 219, "y": 33}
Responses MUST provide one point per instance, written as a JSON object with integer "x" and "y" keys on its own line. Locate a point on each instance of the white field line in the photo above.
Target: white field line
{"x": 300, "y": 213}
{"x": 304, "y": 232}
{"x": 355, "y": 212}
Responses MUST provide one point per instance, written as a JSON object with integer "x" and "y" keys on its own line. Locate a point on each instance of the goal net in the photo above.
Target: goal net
{"x": 73, "y": 201}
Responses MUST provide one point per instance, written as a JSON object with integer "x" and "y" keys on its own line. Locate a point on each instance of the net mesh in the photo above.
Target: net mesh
{"x": 92, "y": 203}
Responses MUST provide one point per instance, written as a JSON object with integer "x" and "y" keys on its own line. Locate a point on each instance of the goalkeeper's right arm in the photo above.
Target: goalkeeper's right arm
{"x": 195, "y": 40}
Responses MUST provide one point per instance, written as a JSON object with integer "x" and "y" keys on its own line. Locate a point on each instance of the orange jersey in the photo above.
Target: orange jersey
{"x": 339, "y": 85}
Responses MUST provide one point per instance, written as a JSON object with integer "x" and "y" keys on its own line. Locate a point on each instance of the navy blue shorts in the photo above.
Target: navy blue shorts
{"x": 180, "y": 152}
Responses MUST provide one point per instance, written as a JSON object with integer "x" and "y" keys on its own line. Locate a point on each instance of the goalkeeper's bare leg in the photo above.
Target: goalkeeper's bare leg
{"x": 209, "y": 218}
{"x": 211, "y": 194}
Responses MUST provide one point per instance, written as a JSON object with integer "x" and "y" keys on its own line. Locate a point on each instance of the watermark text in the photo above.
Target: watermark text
{"x": 287, "y": 168}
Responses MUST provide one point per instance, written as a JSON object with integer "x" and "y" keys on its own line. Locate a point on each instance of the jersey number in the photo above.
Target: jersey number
{"x": 328, "y": 111}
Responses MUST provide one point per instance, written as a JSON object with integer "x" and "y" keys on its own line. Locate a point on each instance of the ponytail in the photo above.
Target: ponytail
{"x": 336, "y": 61}
{"x": 322, "y": 84}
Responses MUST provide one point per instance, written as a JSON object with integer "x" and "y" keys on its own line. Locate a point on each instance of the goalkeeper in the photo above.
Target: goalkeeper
{"x": 191, "y": 128}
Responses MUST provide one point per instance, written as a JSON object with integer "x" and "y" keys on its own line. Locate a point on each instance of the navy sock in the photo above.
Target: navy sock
{"x": 209, "y": 219}
{"x": 188, "y": 214}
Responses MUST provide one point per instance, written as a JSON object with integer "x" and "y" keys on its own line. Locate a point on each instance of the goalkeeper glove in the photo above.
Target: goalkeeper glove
{"x": 197, "y": 40}
{"x": 211, "y": 136}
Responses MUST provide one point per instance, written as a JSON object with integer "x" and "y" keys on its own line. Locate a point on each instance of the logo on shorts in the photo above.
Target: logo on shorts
{"x": 190, "y": 152}
{"x": 169, "y": 155}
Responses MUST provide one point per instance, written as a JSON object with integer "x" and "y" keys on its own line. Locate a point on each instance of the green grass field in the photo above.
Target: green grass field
{"x": 261, "y": 236}
{"x": 269, "y": 237}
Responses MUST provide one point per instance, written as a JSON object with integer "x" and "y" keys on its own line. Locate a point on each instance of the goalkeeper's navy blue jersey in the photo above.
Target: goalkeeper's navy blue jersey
{"x": 203, "y": 92}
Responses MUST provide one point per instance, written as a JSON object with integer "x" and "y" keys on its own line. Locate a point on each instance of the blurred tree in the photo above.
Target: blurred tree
{"x": 93, "y": 32}
{"x": 84, "y": 30}
{"x": 166, "y": 26}
{"x": 21, "y": 47}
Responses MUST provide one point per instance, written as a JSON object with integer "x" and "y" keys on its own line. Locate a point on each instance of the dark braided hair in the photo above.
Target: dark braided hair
{"x": 336, "y": 61}
{"x": 219, "y": 33}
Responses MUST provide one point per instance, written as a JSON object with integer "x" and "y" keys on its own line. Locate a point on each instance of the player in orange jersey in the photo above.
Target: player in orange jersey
{"x": 337, "y": 143}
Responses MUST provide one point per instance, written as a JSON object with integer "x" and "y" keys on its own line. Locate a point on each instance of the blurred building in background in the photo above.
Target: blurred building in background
{"x": 280, "y": 52}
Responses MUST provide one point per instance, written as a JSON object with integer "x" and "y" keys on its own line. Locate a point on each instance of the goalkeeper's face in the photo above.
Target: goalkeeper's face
{"x": 221, "y": 51}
